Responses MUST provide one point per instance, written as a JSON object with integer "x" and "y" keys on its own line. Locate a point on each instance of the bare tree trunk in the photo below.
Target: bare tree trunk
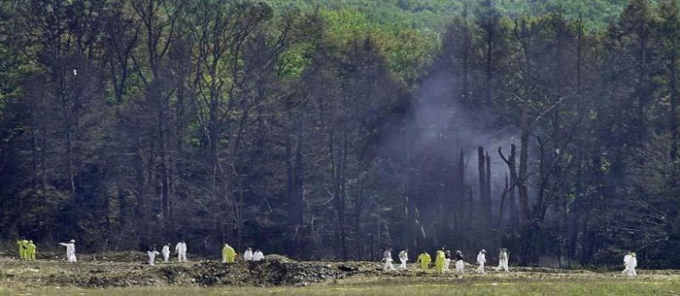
{"x": 294, "y": 163}
{"x": 481, "y": 166}
{"x": 459, "y": 193}
{"x": 523, "y": 168}
{"x": 343, "y": 183}
{"x": 484, "y": 197}
{"x": 523, "y": 186}
{"x": 489, "y": 210}
{"x": 675, "y": 134}
{"x": 165, "y": 205}
{"x": 512, "y": 166}
{"x": 338, "y": 161}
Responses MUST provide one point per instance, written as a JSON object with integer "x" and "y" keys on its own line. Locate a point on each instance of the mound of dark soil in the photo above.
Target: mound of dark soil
{"x": 129, "y": 269}
{"x": 281, "y": 272}
{"x": 129, "y": 256}
{"x": 275, "y": 271}
{"x": 122, "y": 280}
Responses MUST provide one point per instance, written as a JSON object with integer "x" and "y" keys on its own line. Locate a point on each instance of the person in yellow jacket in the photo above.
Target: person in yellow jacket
{"x": 228, "y": 254}
{"x": 30, "y": 251}
{"x": 440, "y": 260}
{"x": 22, "y": 249}
{"x": 424, "y": 260}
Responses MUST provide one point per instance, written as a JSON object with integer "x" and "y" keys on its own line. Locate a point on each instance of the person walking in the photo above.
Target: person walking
{"x": 424, "y": 259}
{"x": 403, "y": 258}
{"x": 440, "y": 260}
{"x": 630, "y": 263}
{"x": 387, "y": 258}
{"x": 503, "y": 260}
{"x": 481, "y": 260}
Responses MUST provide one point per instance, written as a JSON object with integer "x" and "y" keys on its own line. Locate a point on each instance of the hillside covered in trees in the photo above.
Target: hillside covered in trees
{"x": 332, "y": 129}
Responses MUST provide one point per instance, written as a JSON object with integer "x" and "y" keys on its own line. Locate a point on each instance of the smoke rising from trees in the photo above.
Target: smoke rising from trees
{"x": 329, "y": 132}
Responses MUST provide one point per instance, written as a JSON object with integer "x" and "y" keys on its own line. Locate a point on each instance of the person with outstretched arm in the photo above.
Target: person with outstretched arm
{"x": 152, "y": 256}
{"x": 70, "y": 251}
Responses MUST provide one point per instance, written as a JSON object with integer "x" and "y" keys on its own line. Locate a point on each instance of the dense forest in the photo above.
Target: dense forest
{"x": 333, "y": 129}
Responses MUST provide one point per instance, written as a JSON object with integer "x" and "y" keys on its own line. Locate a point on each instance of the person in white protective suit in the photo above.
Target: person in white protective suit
{"x": 387, "y": 258}
{"x": 258, "y": 256}
{"x": 166, "y": 252}
{"x": 447, "y": 260}
{"x": 481, "y": 260}
{"x": 403, "y": 258}
{"x": 629, "y": 262}
{"x": 248, "y": 254}
{"x": 70, "y": 251}
{"x": 181, "y": 249}
{"x": 152, "y": 256}
{"x": 633, "y": 264}
{"x": 503, "y": 260}
{"x": 626, "y": 262}
{"x": 460, "y": 264}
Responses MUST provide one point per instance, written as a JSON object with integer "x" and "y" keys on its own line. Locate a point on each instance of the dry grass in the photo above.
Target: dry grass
{"x": 595, "y": 287}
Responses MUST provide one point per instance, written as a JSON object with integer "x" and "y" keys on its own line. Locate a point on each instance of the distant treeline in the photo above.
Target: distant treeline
{"x": 330, "y": 131}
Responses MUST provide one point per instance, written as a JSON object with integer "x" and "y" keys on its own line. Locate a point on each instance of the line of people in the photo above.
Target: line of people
{"x": 228, "y": 254}
{"x": 28, "y": 250}
{"x": 443, "y": 260}
{"x": 180, "y": 250}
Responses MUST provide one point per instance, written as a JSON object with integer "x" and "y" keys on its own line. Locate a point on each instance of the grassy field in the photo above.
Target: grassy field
{"x": 644, "y": 285}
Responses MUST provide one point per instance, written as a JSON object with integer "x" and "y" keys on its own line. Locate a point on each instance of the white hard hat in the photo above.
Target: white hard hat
{"x": 73, "y": 241}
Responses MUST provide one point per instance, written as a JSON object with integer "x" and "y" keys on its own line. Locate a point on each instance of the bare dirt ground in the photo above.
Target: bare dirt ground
{"x": 128, "y": 269}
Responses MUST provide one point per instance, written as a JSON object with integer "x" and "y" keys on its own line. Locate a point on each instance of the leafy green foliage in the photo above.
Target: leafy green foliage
{"x": 331, "y": 129}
